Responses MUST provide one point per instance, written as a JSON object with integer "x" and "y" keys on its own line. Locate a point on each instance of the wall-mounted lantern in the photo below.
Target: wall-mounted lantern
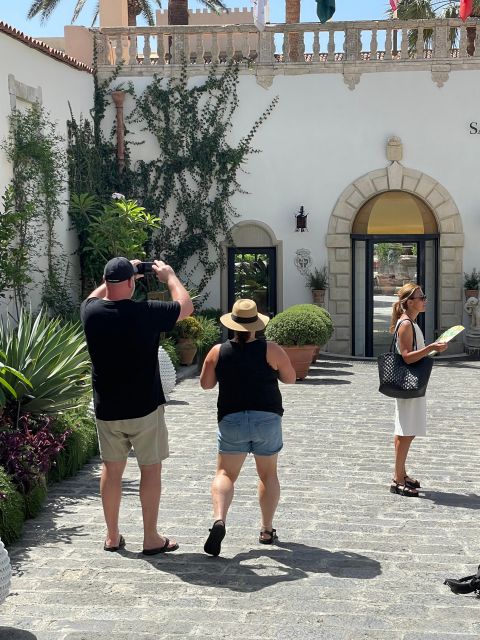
{"x": 301, "y": 219}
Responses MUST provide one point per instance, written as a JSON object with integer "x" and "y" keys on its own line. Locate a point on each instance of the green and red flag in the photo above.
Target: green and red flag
{"x": 325, "y": 9}
{"x": 466, "y": 8}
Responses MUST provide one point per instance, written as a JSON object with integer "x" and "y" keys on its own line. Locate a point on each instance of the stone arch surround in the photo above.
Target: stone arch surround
{"x": 399, "y": 178}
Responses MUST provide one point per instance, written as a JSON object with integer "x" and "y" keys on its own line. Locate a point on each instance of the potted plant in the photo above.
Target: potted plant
{"x": 186, "y": 332}
{"x": 209, "y": 336}
{"x": 324, "y": 316}
{"x": 298, "y": 332}
{"x": 317, "y": 281}
{"x": 471, "y": 282}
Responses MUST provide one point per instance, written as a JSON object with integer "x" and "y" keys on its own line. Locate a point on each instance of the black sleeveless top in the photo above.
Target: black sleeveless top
{"x": 246, "y": 381}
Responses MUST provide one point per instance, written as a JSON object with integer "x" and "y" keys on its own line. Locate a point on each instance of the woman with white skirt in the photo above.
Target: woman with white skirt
{"x": 411, "y": 413}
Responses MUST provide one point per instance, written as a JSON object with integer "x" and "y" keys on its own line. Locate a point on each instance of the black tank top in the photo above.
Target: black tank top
{"x": 246, "y": 381}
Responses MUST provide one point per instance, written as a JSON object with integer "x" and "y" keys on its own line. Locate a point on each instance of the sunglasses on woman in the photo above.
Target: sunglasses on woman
{"x": 424, "y": 297}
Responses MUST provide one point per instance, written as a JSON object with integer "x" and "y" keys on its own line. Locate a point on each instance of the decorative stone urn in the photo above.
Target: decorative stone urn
{"x": 471, "y": 293}
{"x": 168, "y": 375}
{"x": 318, "y": 296}
{"x": 472, "y": 335}
{"x": 5, "y": 573}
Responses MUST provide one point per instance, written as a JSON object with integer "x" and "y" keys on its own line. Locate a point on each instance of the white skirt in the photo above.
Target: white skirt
{"x": 411, "y": 416}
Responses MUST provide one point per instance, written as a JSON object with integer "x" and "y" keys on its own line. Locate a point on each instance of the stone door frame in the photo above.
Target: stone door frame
{"x": 395, "y": 177}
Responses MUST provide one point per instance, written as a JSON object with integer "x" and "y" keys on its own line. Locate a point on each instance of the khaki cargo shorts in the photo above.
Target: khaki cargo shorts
{"x": 148, "y": 436}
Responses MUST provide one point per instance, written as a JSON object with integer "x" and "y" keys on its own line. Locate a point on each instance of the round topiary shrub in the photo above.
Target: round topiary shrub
{"x": 321, "y": 312}
{"x": 188, "y": 328}
{"x": 12, "y": 509}
{"x": 297, "y": 328}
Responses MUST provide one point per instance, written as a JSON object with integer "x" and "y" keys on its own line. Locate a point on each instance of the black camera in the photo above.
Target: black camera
{"x": 144, "y": 268}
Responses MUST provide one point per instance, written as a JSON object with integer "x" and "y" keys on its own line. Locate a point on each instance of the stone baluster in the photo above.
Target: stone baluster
{"x": 229, "y": 45}
{"x": 316, "y": 46}
{"x": 404, "y": 49}
{"x": 388, "y": 43}
{"x": 160, "y": 49}
{"x": 374, "y": 45}
{"x": 132, "y": 50}
{"x": 286, "y": 48}
{"x": 331, "y": 46}
{"x": 476, "y": 53}
{"x": 301, "y": 46}
{"x": 200, "y": 58}
{"x": 420, "y": 44}
{"x": 119, "y": 50}
{"x": 440, "y": 42}
{"x": 214, "y": 47}
{"x": 147, "y": 51}
{"x": 102, "y": 43}
{"x": 245, "y": 45}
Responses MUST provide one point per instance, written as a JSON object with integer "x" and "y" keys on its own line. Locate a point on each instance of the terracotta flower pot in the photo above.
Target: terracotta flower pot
{"x": 318, "y": 296}
{"x": 186, "y": 350}
{"x": 471, "y": 293}
{"x": 301, "y": 359}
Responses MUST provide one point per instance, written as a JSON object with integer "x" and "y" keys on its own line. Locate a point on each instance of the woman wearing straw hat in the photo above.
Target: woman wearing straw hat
{"x": 249, "y": 415}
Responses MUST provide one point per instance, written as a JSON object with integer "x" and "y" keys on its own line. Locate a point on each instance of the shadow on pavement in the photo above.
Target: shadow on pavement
{"x": 320, "y": 371}
{"x": 260, "y": 568}
{"x": 469, "y": 501}
{"x": 314, "y": 381}
{"x": 9, "y": 633}
{"x": 177, "y": 402}
{"x": 330, "y": 365}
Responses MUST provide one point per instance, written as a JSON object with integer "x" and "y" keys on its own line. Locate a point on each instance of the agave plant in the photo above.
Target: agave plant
{"x": 6, "y": 389}
{"x": 52, "y": 356}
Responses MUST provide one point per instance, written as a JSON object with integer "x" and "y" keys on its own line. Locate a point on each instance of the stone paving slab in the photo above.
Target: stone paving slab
{"x": 354, "y": 561}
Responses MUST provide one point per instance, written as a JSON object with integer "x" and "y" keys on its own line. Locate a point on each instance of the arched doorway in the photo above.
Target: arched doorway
{"x": 253, "y": 267}
{"x": 394, "y": 241}
{"x": 397, "y": 178}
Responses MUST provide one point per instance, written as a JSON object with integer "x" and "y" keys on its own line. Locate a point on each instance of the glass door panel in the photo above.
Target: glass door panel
{"x": 252, "y": 274}
{"x": 394, "y": 264}
{"x": 360, "y": 296}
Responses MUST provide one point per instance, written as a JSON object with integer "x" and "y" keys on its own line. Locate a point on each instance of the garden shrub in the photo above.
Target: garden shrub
{"x": 35, "y": 498}
{"x": 297, "y": 328}
{"x": 80, "y": 445}
{"x": 12, "y": 509}
{"x": 321, "y": 312}
{"x": 209, "y": 336}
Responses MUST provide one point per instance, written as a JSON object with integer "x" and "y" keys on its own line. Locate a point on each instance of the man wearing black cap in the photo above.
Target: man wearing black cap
{"x": 122, "y": 339}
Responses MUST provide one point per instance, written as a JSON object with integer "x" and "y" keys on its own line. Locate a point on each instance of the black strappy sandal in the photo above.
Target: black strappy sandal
{"x": 271, "y": 540}
{"x": 213, "y": 545}
{"x": 413, "y": 484}
{"x": 403, "y": 490}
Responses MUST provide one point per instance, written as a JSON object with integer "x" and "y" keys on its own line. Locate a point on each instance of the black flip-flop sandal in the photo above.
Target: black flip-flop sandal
{"x": 461, "y": 586}
{"x": 213, "y": 545}
{"x": 167, "y": 547}
{"x": 121, "y": 545}
{"x": 271, "y": 540}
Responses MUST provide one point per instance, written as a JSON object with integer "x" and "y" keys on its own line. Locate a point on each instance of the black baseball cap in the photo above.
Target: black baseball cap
{"x": 118, "y": 270}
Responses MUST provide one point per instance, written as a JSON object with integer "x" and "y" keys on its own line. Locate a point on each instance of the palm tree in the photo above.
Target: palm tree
{"x": 177, "y": 10}
{"x": 292, "y": 16}
{"x": 426, "y": 9}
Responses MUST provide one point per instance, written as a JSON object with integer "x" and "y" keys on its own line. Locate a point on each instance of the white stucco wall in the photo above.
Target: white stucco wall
{"x": 322, "y": 136}
{"x": 60, "y": 85}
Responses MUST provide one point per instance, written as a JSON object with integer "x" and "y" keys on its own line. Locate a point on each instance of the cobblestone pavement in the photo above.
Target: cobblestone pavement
{"x": 353, "y": 562}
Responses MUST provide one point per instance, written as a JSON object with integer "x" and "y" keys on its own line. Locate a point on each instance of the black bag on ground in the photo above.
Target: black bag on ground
{"x": 399, "y": 379}
{"x": 469, "y": 584}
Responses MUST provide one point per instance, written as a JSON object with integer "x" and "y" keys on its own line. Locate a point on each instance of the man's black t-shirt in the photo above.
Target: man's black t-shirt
{"x": 122, "y": 339}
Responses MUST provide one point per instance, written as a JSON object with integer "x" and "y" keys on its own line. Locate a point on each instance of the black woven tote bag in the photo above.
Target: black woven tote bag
{"x": 401, "y": 380}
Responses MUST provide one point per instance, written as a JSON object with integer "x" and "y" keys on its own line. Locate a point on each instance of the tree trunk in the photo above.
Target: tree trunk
{"x": 134, "y": 10}
{"x": 177, "y": 11}
{"x": 292, "y": 16}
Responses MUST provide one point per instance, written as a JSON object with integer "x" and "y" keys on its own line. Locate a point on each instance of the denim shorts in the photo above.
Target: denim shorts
{"x": 257, "y": 432}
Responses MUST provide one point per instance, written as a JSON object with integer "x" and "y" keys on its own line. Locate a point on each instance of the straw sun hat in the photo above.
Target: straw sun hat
{"x": 244, "y": 317}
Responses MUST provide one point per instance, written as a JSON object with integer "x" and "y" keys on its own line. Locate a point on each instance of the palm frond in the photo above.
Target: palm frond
{"x": 214, "y": 5}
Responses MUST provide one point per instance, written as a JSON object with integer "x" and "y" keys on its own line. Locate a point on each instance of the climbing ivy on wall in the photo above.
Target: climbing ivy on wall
{"x": 34, "y": 198}
{"x": 195, "y": 176}
{"x": 190, "y": 184}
